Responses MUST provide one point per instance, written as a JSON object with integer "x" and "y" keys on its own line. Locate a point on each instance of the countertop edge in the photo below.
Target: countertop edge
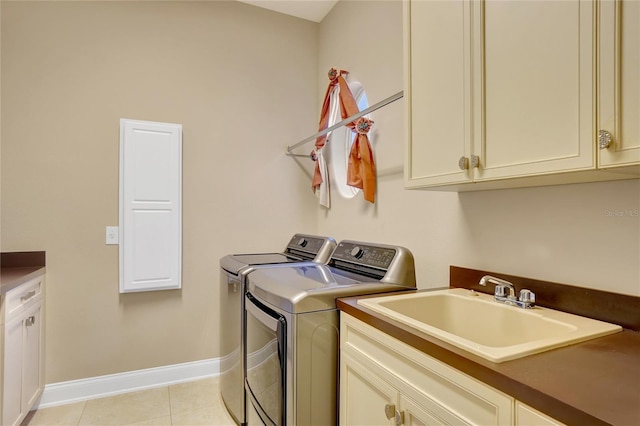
{"x": 499, "y": 376}
{"x": 11, "y": 278}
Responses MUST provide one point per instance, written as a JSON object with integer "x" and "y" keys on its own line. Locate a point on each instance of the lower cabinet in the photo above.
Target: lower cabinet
{"x": 367, "y": 399}
{"x": 22, "y": 353}
{"x": 386, "y": 382}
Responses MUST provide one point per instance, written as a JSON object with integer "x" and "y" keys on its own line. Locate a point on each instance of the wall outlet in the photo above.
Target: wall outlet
{"x": 112, "y": 235}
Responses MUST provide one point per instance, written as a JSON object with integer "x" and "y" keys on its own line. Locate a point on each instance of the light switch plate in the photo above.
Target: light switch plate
{"x": 112, "y": 235}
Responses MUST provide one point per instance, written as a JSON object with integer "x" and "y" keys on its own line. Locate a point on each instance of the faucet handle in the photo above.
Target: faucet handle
{"x": 527, "y": 296}
{"x": 501, "y": 291}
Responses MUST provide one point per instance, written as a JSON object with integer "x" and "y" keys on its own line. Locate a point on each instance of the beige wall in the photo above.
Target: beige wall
{"x": 559, "y": 233}
{"x": 241, "y": 80}
{"x": 71, "y": 70}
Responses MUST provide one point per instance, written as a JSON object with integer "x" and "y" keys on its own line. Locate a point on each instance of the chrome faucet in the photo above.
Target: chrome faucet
{"x": 505, "y": 292}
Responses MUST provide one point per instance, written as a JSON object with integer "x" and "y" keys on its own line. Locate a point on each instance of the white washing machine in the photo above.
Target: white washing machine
{"x": 234, "y": 268}
{"x": 292, "y": 329}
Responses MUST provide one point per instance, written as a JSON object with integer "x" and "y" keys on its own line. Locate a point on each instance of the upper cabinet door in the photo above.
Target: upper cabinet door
{"x": 437, "y": 92}
{"x": 619, "y": 83}
{"x": 534, "y": 87}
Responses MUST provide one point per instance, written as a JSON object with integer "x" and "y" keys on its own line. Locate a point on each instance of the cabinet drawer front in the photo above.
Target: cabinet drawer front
{"x": 24, "y": 295}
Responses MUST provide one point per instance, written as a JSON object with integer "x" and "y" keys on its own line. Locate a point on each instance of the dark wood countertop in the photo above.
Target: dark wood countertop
{"x": 591, "y": 383}
{"x": 11, "y": 278}
{"x": 19, "y": 267}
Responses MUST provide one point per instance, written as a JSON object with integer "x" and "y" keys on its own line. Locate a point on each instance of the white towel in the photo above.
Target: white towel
{"x": 334, "y": 117}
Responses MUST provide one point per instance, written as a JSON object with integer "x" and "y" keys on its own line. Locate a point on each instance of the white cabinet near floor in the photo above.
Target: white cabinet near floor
{"x": 504, "y": 94}
{"x": 22, "y": 350}
{"x": 386, "y": 382}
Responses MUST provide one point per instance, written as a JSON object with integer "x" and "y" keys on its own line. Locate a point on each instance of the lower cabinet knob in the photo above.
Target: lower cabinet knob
{"x": 390, "y": 411}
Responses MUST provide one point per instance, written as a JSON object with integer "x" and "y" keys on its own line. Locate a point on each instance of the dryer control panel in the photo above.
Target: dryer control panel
{"x": 386, "y": 263}
{"x": 364, "y": 254}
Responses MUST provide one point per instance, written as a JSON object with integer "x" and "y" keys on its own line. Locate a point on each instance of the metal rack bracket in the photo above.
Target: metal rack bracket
{"x": 347, "y": 120}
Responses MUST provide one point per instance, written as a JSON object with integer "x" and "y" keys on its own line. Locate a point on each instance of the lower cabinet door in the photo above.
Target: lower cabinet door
{"x": 31, "y": 374}
{"x": 414, "y": 414}
{"x": 368, "y": 400}
{"x": 12, "y": 380}
{"x": 365, "y": 399}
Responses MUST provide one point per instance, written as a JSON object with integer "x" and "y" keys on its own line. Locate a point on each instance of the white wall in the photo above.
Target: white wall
{"x": 559, "y": 233}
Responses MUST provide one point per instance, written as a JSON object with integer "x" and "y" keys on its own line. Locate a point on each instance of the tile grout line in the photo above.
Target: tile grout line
{"x": 170, "y": 410}
{"x": 84, "y": 406}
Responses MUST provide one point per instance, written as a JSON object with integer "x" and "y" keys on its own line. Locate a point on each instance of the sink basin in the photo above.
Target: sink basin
{"x": 477, "y": 323}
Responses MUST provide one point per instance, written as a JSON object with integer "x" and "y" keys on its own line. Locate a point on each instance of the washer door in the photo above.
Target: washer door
{"x": 265, "y": 360}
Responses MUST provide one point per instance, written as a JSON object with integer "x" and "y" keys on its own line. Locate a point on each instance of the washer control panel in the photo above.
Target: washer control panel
{"x": 311, "y": 247}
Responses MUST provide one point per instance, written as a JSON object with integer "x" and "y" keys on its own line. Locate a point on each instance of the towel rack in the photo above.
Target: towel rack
{"x": 347, "y": 120}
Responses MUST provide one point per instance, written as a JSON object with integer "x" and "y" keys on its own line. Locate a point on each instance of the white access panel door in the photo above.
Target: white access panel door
{"x": 150, "y": 206}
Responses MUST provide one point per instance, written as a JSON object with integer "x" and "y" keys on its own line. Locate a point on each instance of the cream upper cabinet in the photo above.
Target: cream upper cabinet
{"x": 619, "y": 83}
{"x": 504, "y": 94}
{"x": 533, "y": 87}
{"x": 437, "y": 91}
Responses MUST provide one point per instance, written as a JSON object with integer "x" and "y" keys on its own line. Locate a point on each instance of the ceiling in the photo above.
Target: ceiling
{"x": 312, "y": 10}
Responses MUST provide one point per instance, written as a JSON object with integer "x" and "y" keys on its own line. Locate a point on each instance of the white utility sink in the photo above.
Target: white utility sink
{"x": 477, "y": 323}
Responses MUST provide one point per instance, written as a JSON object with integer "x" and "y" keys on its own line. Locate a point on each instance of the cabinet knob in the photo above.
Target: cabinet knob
{"x": 30, "y": 321}
{"x": 604, "y": 139}
{"x": 463, "y": 163}
{"x": 390, "y": 411}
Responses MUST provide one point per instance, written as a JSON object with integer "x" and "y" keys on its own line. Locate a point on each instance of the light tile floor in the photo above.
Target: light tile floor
{"x": 184, "y": 404}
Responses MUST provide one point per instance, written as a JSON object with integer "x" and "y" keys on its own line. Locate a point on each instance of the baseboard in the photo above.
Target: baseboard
{"x": 263, "y": 354}
{"x": 113, "y": 384}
